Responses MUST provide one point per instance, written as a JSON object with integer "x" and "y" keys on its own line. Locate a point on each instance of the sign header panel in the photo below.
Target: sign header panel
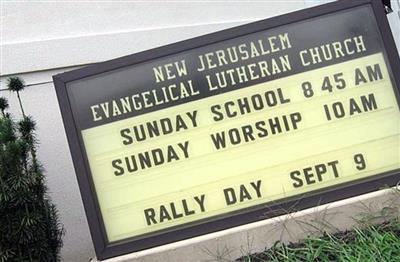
{"x": 240, "y": 123}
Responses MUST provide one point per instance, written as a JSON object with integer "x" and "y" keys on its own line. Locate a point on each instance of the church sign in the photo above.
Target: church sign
{"x": 236, "y": 126}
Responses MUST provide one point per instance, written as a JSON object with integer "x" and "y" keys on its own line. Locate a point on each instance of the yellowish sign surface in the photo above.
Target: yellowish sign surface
{"x": 245, "y": 148}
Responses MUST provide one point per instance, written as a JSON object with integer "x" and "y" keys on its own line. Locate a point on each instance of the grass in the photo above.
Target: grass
{"x": 368, "y": 243}
{"x": 375, "y": 238}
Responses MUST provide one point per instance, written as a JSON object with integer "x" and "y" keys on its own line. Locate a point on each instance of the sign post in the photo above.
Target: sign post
{"x": 235, "y": 126}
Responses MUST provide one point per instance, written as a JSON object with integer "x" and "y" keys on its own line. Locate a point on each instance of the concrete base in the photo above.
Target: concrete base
{"x": 228, "y": 245}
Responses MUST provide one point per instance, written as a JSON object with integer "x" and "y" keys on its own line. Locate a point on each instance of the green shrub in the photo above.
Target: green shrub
{"x": 29, "y": 225}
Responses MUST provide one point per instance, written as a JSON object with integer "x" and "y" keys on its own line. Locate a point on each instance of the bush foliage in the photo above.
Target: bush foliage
{"x": 29, "y": 225}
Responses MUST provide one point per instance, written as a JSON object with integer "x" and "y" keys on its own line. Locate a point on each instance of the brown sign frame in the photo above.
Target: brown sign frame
{"x": 107, "y": 250}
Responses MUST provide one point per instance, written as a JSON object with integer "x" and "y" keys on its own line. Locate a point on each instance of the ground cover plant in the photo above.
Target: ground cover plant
{"x": 374, "y": 243}
{"x": 375, "y": 238}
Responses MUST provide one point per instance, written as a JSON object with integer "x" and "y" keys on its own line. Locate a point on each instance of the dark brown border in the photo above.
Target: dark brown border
{"x": 104, "y": 249}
